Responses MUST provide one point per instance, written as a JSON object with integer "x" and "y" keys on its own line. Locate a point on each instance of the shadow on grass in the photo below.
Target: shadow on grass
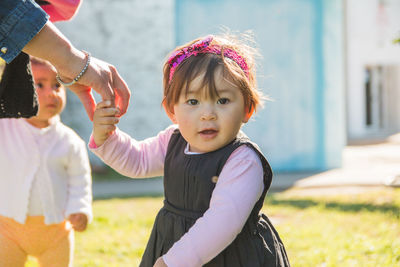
{"x": 331, "y": 205}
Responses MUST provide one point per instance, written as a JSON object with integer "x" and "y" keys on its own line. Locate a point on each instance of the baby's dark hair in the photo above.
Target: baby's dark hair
{"x": 207, "y": 63}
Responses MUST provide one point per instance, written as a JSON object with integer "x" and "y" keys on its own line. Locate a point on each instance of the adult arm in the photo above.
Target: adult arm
{"x": 24, "y": 25}
{"x": 238, "y": 188}
{"x": 50, "y": 44}
{"x": 134, "y": 158}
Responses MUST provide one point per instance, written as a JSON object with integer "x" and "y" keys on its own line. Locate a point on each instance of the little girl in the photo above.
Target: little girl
{"x": 215, "y": 178}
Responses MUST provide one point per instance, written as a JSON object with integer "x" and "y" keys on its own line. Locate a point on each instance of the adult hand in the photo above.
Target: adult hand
{"x": 79, "y": 221}
{"x": 105, "y": 80}
{"x": 52, "y": 45}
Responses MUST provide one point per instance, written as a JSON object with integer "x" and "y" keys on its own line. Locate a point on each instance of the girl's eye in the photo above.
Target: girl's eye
{"x": 39, "y": 85}
{"x": 56, "y": 87}
{"x": 192, "y": 102}
{"x": 223, "y": 101}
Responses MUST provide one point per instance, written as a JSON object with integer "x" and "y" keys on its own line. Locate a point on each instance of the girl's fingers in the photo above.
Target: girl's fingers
{"x": 80, "y": 223}
{"x": 107, "y": 120}
{"x": 106, "y": 112}
{"x": 104, "y": 104}
{"x": 106, "y": 128}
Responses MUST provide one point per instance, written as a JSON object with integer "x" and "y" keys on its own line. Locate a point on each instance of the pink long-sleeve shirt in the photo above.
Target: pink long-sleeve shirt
{"x": 238, "y": 188}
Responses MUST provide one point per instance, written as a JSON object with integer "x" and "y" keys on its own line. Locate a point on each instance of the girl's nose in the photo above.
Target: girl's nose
{"x": 51, "y": 91}
{"x": 208, "y": 114}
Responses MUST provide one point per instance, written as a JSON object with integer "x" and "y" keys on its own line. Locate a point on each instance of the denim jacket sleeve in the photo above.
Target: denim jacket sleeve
{"x": 20, "y": 21}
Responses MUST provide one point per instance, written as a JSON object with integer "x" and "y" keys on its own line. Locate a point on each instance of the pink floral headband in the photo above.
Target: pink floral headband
{"x": 203, "y": 47}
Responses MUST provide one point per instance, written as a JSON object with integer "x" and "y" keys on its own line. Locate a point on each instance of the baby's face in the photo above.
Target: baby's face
{"x": 208, "y": 123}
{"x": 51, "y": 95}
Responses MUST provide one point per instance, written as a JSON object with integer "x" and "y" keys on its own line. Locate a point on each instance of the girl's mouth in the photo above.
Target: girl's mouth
{"x": 208, "y": 133}
{"x": 51, "y": 105}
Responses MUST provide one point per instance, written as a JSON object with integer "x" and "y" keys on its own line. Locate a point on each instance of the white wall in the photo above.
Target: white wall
{"x": 302, "y": 129}
{"x": 301, "y": 69}
{"x": 135, "y": 36}
{"x": 371, "y": 27}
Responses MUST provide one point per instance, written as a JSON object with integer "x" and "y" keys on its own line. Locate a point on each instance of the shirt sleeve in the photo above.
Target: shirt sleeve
{"x": 79, "y": 182}
{"x": 238, "y": 188}
{"x": 134, "y": 158}
{"x": 60, "y": 10}
{"x": 20, "y": 21}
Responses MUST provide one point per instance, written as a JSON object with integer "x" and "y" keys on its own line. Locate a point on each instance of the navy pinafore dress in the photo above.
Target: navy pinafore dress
{"x": 188, "y": 185}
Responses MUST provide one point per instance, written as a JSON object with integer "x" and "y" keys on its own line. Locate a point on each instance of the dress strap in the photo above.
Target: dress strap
{"x": 181, "y": 212}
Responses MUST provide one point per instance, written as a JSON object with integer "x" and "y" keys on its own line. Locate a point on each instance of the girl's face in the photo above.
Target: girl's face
{"x": 51, "y": 95}
{"x": 209, "y": 123}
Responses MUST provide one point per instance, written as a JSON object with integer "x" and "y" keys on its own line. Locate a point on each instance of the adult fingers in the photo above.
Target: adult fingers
{"x": 86, "y": 97}
{"x": 99, "y": 76}
{"x": 106, "y": 81}
{"x": 122, "y": 92}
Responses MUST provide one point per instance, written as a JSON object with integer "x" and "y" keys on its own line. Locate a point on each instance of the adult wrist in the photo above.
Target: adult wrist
{"x": 70, "y": 63}
{"x": 81, "y": 73}
{"x": 50, "y": 44}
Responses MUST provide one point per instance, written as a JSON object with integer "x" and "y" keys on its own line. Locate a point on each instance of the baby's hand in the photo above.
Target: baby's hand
{"x": 104, "y": 120}
{"x": 79, "y": 221}
{"x": 160, "y": 263}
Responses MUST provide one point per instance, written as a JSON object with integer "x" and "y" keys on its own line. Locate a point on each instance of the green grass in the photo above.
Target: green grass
{"x": 341, "y": 230}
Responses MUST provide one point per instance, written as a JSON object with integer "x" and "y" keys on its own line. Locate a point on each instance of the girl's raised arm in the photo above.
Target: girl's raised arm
{"x": 134, "y": 158}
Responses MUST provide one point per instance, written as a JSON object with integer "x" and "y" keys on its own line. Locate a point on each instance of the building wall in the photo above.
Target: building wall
{"x": 301, "y": 68}
{"x": 303, "y": 128}
{"x": 371, "y": 27}
{"x": 135, "y": 36}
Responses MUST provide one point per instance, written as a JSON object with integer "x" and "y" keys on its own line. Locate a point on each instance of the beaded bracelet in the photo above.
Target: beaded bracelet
{"x": 79, "y": 75}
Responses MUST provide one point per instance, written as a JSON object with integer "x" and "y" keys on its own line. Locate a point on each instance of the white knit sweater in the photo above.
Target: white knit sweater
{"x": 60, "y": 166}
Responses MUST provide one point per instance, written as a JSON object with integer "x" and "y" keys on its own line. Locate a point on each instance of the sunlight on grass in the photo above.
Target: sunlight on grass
{"x": 351, "y": 230}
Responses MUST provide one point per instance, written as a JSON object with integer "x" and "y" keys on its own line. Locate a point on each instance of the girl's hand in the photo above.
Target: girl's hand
{"x": 160, "y": 263}
{"x": 79, "y": 221}
{"x": 104, "y": 120}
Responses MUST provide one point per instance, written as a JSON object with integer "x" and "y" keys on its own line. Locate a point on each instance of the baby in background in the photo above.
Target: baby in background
{"x": 45, "y": 188}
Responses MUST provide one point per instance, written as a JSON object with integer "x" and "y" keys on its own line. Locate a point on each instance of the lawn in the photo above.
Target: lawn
{"x": 318, "y": 230}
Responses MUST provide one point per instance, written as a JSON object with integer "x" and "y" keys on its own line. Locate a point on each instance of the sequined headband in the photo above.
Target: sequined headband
{"x": 204, "y": 47}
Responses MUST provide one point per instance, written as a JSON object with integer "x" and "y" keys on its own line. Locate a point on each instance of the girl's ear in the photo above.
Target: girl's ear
{"x": 170, "y": 115}
{"x": 248, "y": 115}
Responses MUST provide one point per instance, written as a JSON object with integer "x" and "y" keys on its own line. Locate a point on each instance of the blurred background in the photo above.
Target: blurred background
{"x": 330, "y": 67}
{"x": 331, "y": 131}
